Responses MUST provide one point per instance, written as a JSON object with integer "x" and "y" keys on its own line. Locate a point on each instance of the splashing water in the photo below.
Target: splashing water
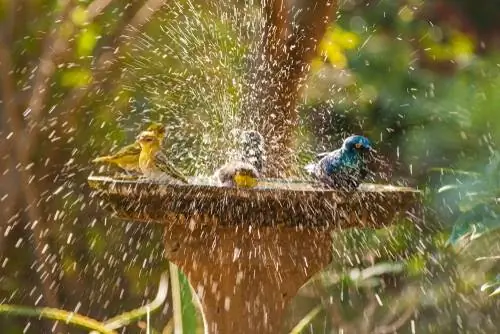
{"x": 89, "y": 87}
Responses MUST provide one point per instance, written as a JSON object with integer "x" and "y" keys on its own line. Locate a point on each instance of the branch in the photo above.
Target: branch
{"x": 95, "y": 8}
{"x": 142, "y": 16}
{"x": 8, "y": 87}
{"x": 8, "y": 25}
{"x": 53, "y": 46}
{"x": 31, "y": 193}
{"x": 107, "y": 59}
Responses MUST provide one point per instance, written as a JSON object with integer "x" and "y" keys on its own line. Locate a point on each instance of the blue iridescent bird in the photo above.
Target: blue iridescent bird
{"x": 344, "y": 168}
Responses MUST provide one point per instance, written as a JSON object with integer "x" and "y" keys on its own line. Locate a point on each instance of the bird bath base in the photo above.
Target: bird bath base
{"x": 246, "y": 252}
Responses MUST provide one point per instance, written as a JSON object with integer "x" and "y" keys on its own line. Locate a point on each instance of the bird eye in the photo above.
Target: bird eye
{"x": 358, "y": 145}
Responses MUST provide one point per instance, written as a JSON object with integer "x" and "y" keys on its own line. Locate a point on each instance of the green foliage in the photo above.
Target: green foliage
{"x": 186, "y": 315}
{"x": 86, "y": 40}
{"x": 76, "y": 78}
{"x": 477, "y": 202}
{"x": 190, "y": 313}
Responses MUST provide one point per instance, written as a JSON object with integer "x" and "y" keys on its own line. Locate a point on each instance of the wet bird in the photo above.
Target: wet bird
{"x": 152, "y": 161}
{"x": 244, "y": 171}
{"x": 127, "y": 157}
{"x": 344, "y": 168}
{"x": 237, "y": 174}
{"x": 252, "y": 149}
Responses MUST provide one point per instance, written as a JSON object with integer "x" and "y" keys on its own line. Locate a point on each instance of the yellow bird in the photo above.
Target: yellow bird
{"x": 237, "y": 174}
{"x": 127, "y": 157}
{"x": 152, "y": 161}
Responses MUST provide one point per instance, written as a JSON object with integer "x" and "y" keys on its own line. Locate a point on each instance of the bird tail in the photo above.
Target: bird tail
{"x": 310, "y": 168}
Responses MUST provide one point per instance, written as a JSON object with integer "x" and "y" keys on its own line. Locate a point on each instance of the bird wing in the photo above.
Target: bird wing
{"x": 132, "y": 149}
{"x": 161, "y": 161}
{"x": 331, "y": 162}
{"x": 129, "y": 150}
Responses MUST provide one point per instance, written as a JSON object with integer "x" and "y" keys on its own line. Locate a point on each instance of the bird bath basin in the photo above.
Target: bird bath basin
{"x": 246, "y": 252}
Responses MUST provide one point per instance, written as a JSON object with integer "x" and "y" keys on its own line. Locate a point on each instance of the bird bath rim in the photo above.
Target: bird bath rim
{"x": 284, "y": 186}
{"x": 276, "y": 202}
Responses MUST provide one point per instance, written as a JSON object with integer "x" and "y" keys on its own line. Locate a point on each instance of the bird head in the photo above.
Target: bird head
{"x": 251, "y": 137}
{"x": 358, "y": 144}
{"x": 158, "y": 129}
{"x": 148, "y": 139}
{"x": 252, "y": 148}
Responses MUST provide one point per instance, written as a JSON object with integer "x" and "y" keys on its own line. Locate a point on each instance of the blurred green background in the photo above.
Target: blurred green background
{"x": 419, "y": 78}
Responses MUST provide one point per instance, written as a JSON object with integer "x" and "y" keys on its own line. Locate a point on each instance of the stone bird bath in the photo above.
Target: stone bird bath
{"x": 246, "y": 252}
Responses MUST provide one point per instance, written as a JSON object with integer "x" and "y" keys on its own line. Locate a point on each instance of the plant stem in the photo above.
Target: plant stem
{"x": 126, "y": 318}
{"x": 176, "y": 298}
{"x": 56, "y": 314}
{"x": 306, "y": 320}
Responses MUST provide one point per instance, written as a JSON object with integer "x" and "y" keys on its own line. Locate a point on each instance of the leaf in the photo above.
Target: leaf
{"x": 496, "y": 292}
{"x": 453, "y": 171}
{"x": 488, "y": 285}
{"x": 474, "y": 222}
{"x": 381, "y": 269}
{"x": 87, "y": 40}
{"x": 190, "y": 317}
{"x": 185, "y": 315}
{"x": 415, "y": 265}
{"x": 76, "y": 78}
{"x": 79, "y": 16}
{"x": 448, "y": 187}
{"x": 482, "y": 258}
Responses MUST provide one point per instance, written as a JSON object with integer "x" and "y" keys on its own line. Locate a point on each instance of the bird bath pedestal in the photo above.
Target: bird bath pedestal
{"x": 246, "y": 252}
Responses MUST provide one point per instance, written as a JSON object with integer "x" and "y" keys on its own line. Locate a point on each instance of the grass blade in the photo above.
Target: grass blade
{"x": 56, "y": 314}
